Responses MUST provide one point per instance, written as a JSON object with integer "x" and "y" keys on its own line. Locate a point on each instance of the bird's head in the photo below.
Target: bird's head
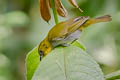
{"x": 44, "y": 48}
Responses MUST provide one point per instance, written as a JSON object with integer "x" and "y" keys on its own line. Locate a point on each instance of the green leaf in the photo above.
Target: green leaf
{"x": 68, "y": 63}
{"x": 113, "y": 76}
{"x": 32, "y": 62}
{"x": 78, "y": 44}
{"x": 71, "y": 63}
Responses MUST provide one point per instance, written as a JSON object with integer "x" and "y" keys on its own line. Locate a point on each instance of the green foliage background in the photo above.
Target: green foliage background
{"x": 22, "y": 28}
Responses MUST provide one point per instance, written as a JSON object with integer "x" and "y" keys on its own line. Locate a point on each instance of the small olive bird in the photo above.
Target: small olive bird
{"x": 65, "y": 33}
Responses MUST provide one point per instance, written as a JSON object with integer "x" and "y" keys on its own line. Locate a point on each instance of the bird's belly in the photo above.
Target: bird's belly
{"x": 75, "y": 35}
{"x": 68, "y": 40}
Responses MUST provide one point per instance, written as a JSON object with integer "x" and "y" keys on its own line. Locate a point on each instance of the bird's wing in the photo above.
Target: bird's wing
{"x": 66, "y": 28}
{"x": 58, "y": 32}
{"x": 76, "y": 24}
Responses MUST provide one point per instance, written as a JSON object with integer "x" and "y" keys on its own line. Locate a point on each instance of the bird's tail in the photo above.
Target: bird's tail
{"x": 105, "y": 18}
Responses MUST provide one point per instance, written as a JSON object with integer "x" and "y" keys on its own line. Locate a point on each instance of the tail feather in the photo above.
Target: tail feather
{"x": 105, "y": 18}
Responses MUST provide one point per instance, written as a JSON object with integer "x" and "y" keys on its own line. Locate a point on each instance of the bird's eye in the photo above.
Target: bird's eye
{"x": 46, "y": 46}
{"x": 43, "y": 44}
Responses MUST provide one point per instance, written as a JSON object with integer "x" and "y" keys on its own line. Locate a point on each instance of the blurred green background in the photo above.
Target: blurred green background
{"x": 22, "y": 28}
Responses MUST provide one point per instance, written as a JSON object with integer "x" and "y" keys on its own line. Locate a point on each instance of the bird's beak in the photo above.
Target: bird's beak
{"x": 41, "y": 55}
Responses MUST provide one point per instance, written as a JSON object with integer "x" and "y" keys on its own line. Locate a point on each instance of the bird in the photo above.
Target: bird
{"x": 66, "y": 32}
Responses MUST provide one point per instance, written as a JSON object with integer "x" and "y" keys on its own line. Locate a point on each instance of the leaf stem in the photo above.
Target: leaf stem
{"x": 54, "y": 11}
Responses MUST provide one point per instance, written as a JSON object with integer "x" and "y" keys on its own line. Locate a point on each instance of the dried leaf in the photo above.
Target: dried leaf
{"x": 60, "y": 8}
{"x": 74, "y": 3}
{"x": 49, "y": 3}
{"x": 44, "y": 9}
